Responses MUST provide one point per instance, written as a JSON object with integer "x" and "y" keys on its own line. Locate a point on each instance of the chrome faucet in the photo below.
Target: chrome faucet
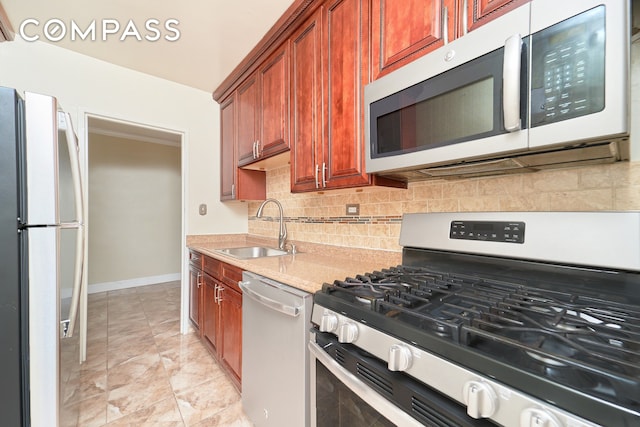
{"x": 282, "y": 237}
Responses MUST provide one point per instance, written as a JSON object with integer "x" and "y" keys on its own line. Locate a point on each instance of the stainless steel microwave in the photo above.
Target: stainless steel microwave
{"x": 546, "y": 85}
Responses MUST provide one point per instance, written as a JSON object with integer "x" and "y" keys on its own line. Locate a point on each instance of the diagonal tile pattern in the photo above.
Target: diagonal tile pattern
{"x": 140, "y": 371}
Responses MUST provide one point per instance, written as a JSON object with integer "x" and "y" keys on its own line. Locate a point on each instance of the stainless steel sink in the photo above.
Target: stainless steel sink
{"x": 252, "y": 252}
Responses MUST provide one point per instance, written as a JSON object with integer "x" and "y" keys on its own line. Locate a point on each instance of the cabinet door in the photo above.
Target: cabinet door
{"x": 211, "y": 313}
{"x": 231, "y": 341}
{"x": 195, "y": 296}
{"x": 274, "y": 114}
{"x": 344, "y": 48}
{"x": 479, "y": 12}
{"x": 402, "y": 34}
{"x": 306, "y": 103}
{"x": 248, "y": 119}
{"x": 236, "y": 184}
{"x": 227, "y": 148}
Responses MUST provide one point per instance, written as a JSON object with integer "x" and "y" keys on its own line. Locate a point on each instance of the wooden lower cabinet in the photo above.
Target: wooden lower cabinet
{"x": 221, "y": 320}
{"x": 211, "y": 315}
{"x": 230, "y": 350}
{"x": 195, "y": 289}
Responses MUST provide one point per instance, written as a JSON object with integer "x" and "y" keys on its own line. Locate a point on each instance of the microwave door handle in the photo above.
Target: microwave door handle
{"x": 511, "y": 82}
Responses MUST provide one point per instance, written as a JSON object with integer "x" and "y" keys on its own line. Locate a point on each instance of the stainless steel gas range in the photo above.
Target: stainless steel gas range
{"x": 515, "y": 319}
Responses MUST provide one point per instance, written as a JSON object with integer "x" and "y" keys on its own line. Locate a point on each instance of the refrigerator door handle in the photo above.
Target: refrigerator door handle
{"x": 74, "y": 159}
{"x": 68, "y": 325}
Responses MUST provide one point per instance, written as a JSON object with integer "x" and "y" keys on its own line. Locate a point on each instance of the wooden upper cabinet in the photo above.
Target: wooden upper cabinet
{"x": 344, "y": 75}
{"x": 274, "y": 114}
{"x": 263, "y": 110}
{"x": 327, "y": 76}
{"x": 403, "y": 34}
{"x": 306, "y": 103}
{"x": 227, "y": 148}
{"x": 479, "y": 12}
{"x": 235, "y": 183}
{"x": 248, "y": 98}
{"x": 306, "y": 94}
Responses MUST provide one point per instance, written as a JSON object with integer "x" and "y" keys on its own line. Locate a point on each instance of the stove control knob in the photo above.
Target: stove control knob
{"x": 400, "y": 358}
{"x": 348, "y": 332}
{"x": 480, "y": 398}
{"x": 535, "y": 417}
{"x": 329, "y": 322}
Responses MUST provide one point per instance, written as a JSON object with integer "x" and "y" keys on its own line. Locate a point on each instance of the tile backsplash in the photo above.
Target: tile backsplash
{"x": 320, "y": 217}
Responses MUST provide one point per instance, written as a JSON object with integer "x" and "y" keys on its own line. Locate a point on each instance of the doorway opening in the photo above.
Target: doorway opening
{"x": 135, "y": 215}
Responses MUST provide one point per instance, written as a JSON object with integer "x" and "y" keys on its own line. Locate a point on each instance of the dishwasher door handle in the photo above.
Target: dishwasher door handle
{"x": 268, "y": 302}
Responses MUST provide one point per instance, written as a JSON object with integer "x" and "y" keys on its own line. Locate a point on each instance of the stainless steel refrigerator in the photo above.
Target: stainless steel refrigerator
{"x": 41, "y": 261}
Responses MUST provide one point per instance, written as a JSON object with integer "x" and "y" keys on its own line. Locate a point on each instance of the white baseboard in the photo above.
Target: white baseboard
{"x": 124, "y": 284}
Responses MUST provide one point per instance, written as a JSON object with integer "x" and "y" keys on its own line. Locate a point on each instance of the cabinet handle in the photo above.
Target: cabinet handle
{"x": 199, "y": 283}
{"x": 215, "y": 293}
{"x": 253, "y": 150}
{"x": 233, "y": 191}
{"x": 220, "y": 289}
{"x": 445, "y": 25}
{"x": 258, "y": 154}
{"x": 317, "y": 182}
{"x": 324, "y": 175}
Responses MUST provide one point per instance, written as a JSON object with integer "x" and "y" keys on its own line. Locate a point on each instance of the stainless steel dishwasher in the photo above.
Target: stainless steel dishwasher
{"x": 275, "y": 358}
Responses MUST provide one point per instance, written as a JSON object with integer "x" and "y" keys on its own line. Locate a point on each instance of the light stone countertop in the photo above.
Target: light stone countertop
{"x": 308, "y": 269}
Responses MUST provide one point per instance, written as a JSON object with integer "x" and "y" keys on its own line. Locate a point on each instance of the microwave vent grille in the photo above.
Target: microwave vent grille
{"x": 577, "y": 155}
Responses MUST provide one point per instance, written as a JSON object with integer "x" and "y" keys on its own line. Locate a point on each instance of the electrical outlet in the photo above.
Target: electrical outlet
{"x": 202, "y": 209}
{"x": 353, "y": 209}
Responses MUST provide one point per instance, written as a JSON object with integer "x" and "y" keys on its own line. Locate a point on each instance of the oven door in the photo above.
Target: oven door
{"x": 350, "y": 387}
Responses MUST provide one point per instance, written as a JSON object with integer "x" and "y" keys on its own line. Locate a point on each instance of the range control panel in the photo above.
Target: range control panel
{"x": 492, "y": 231}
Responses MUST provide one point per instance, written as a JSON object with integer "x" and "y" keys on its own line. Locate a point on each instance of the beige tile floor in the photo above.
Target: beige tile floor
{"x": 140, "y": 371}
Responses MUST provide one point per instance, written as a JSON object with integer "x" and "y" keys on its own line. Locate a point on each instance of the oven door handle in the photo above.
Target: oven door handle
{"x": 379, "y": 403}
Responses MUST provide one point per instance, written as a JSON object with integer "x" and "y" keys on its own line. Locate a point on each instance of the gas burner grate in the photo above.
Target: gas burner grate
{"x": 551, "y": 331}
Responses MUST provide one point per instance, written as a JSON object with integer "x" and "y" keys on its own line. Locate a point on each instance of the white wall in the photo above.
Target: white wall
{"x": 84, "y": 85}
{"x": 87, "y": 86}
{"x": 134, "y": 210}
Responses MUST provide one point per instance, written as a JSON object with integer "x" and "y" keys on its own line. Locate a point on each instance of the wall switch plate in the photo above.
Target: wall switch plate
{"x": 353, "y": 209}
{"x": 202, "y": 209}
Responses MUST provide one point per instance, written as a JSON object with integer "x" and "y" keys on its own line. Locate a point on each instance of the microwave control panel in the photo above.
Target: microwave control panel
{"x": 492, "y": 231}
{"x": 568, "y": 68}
